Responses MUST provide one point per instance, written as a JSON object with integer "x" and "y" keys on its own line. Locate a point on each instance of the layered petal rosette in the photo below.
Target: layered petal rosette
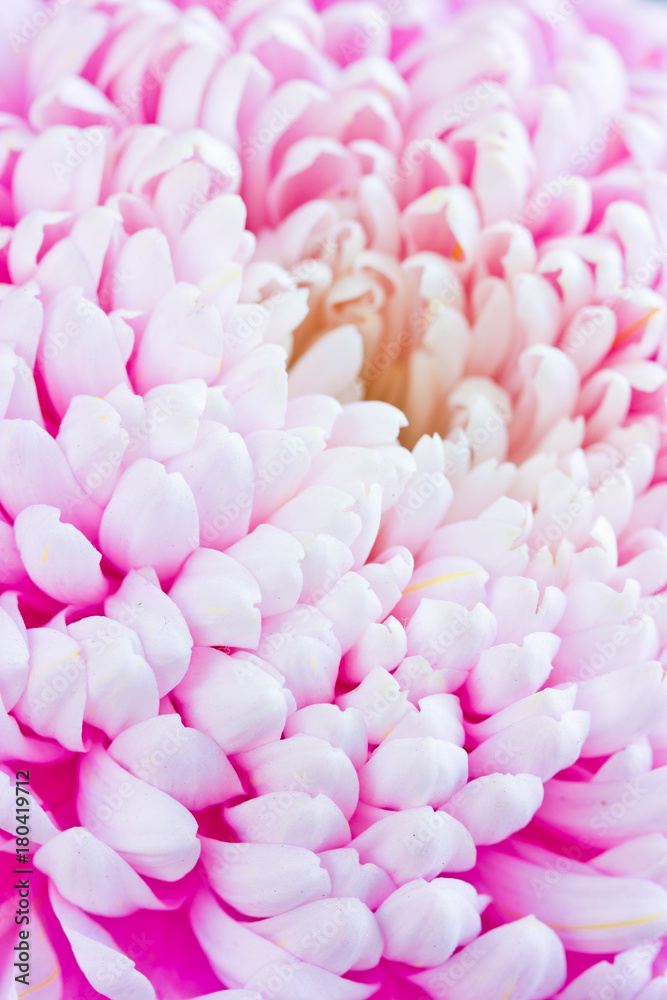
{"x": 333, "y": 525}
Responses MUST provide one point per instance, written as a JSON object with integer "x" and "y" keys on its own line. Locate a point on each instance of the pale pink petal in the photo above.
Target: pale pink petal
{"x": 590, "y": 913}
{"x": 540, "y": 745}
{"x": 383, "y": 644}
{"x": 496, "y": 805}
{"x": 54, "y": 699}
{"x": 449, "y": 578}
{"x": 79, "y": 353}
{"x": 629, "y": 972}
{"x": 184, "y": 763}
{"x": 381, "y": 701}
{"x": 342, "y": 729}
{"x": 274, "y": 559}
{"x": 102, "y": 962}
{"x": 407, "y": 773}
{"x": 290, "y": 817}
{"x": 14, "y": 675}
{"x": 149, "y": 829}
{"x": 608, "y": 812}
{"x": 416, "y": 843}
{"x": 439, "y": 715}
{"x": 320, "y": 768}
{"x": 182, "y": 339}
{"x": 93, "y": 440}
{"x": 91, "y": 875}
{"x": 58, "y": 558}
{"x": 357, "y": 944}
{"x": 424, "y": 922}
{"x": 524, "y": 957}
{"x": 219, "y": 472}
{"x": 72, "y": 180}
{"x": 44, "y": 478}
{"x": 349, "y": 877}
{"x": 623, "y": 705}
{"x": 219, "y": 600}
{"x": 506, "y": 673}
{"x": 151, "y": 520}
{"x": 263, "y": 880}
{"x": 140, "y": 604}
{"x": 301, "y": 644}
{"x": 232, "y": 700}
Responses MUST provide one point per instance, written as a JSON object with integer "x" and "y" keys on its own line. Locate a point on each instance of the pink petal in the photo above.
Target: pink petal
{"x": 219, "y": 600}
{"x": 416, "y": 843}
{"x": 72, "y": 181}
{"x": 79, "y": 352}
{"x": 54, "y": 699}
{"x": 149, "y": 829}
{"x": 93, "y": 440}
{"x": 58, "y": 558}
{"x": 14, "y": 675}
{"x": 424, "y": 922}
{"x": 342, "y": 729}
{"x": 609, "y": 811}
{"x": 439, "y": 715}
{"x": 356, "y": 946}
{"x": 140, "y": 604}
{"x": 350, "y": 878}
{"x": 506, "y": 673}
{"x": 623, "y": 705}
{"x": 380, "y": 699}
{"x": 541, "y": 746}
{"x": 263, "y": 880}
{"x": 121, "y": 685}
{"x": 273, "y": 557}
{"x": 182, "y": 339}
{"x": 407, "y": 773}
{"x": 186, "y": 764}
{"x": 151, "y": 520}
{"x": 301, "y": 644}
{"x": 495, "y": 806}
{"x": 290, "y": 817}
{"x": 91, "y": 875}
{"x": 219, "y": 472}
{"x": 96, "y": 954}
{"x": 232, "y": 700}
{"x": 590, "y": 913}
{"x": 320, "y": 767}
{"x": 45, "y": 476}
{"x": 525, "y": 957}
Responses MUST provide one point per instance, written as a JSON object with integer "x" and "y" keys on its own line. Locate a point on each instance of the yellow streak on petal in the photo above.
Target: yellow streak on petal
{"x": 221, "y": 281}
{"x": 44, "y": 982}
{"x": 217, "y": 611}
{"x": 607, "y": 927}
{"x": 510, "y": 990}
{"x": 457, "y": 252}
{"x": 437, "y": 579}
{"x": 629, "y": 330}
{"x": 45, "y": 554}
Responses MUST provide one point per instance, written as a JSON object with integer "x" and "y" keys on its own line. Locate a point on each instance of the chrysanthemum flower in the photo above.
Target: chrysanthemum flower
{"x": 332, "y": 518}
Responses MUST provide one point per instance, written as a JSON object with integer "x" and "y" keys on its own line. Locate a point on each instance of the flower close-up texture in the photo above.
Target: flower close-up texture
{"x": 333, "y": 500}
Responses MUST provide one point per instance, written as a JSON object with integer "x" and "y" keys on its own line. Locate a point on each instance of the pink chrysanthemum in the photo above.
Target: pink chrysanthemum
{"x": 306, "y": 711}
